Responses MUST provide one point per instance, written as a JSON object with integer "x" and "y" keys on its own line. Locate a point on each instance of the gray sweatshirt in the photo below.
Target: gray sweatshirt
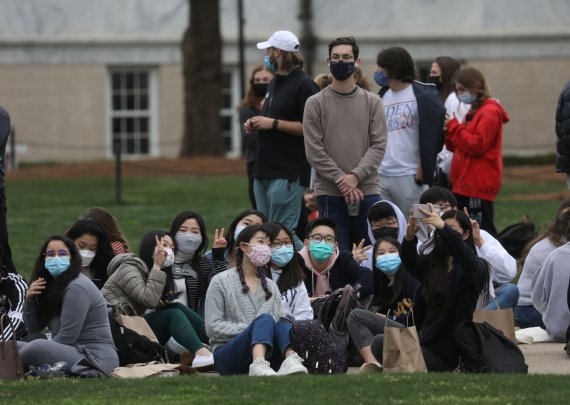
{"x": 549, "y": 295}
{"x": 534, "y": 260}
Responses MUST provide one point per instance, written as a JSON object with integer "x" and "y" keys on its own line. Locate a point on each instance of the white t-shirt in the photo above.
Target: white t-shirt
{"x": 402, "y": 155}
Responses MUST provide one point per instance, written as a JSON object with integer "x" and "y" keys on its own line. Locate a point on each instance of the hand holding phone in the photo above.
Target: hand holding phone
{"x": 417, "y": 213}
{"x": 171, "y": 296}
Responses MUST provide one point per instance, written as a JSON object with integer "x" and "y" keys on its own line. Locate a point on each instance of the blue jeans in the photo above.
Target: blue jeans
{"x": 349, "y": 229}
{"x": 507, "y": 296}
{"x": 527, "y": 316}
{"x": 235, "y": 356}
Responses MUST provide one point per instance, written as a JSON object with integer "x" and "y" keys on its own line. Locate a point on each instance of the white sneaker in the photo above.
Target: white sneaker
{"x": 292, "y": 365}
{"x": 370, "y": 368}
{"x": 260, "y": 368}
{"x": 203, "y": 361}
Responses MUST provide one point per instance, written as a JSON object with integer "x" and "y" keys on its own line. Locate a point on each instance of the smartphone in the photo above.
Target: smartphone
{"x": 171, "y": 296}
{"x": 416, "y": 213}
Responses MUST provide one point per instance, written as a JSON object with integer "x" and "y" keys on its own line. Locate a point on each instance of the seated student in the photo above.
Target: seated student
{"x": 94, "y": 248}
{"x": 142, "y": 282}
{"x": 191, "y": 272}
{"x": 534, "y": 255}
{"x": 394, "y": 291}
{"x": 12, "y": 295}
{"x": 109, "y": 224}
{"x": 286, "y": 273}
{"x": 451, "y": 277}
{"x": 242, "y": 311}
{"x": 223, "y": 251}
{"x": 502, "y": 266}
{"x": 325, "y": 267}
{"x": 384, "y": 219}
{"x": 550, "y": 291}
{"x": 72, "y": 308}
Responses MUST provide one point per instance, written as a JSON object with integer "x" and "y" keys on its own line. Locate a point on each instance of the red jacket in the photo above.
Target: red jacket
{"x": 477, "y": 165}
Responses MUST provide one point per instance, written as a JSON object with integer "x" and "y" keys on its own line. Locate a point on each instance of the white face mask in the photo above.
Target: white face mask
{"x": 238, "y": 230}
{"x": 169, "y": 261}
{"x": 87, "y": 257}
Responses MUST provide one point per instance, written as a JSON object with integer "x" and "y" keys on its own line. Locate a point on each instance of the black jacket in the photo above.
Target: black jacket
{"x": 563, "y": 131}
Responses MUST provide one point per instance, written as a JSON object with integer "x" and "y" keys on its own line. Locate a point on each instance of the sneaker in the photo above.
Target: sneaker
{"x": 292, "y": 365}
{"x": 371, "y": 368}
{"x": 203, "y": 361}
{"x": 260, "y": 368}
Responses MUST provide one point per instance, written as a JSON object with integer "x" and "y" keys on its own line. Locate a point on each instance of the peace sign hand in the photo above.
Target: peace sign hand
{"x": 359, "y": 252}
{"x": 159, "y": 254}
{"x": 219, "y": 240}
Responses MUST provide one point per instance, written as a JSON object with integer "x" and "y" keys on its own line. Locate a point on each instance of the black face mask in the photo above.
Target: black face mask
{"x": 260, "y": 89}
{"x": 435, "y": 80}
{"x": 385, "y": 232}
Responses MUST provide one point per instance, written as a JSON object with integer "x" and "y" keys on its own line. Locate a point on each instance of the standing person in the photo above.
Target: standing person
{"x": 5, "y": 252}
{"x": 72, "y": 308}
{"x": 249, "y": 107}
{"x": 477, "y": 165}
{"x": 243, "y": 308}
{"x": 563, "y": 133}
{"x": 345, "y": 140}
{"x": 105, "y": 220}
{"x": 414, "y": 120}
{"x": 281, "y": 170}
{"x": 442, "y": 74}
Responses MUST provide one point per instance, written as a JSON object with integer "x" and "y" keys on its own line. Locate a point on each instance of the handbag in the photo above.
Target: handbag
{"x": 11, "y": 367}
{"x": 501, "y": 319}
{"x": 126, "y": 316}
{"x": 402, "y": 351}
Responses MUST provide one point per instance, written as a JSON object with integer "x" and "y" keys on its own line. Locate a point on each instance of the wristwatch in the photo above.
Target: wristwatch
{"x": 275, "y": 123}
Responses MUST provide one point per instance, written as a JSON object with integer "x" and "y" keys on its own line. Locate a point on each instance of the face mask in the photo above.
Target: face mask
{"x": 169, "y": 261}
{"x": 86, "y": 257}
{"x": 260, "y": 254}
{"x": 321, "y": 251}
{"x": 341, "y": 70}
{"x": 260, "y": 89}
{"x": 380, "y": 79}
{"x": 56, "y": 265}
{"x": 269, "y": 64}
{"x": 388, "y": 263}
{"x": 435, "y": 80}
{"x": 281, "y": 256}
{"x": 467, "y": 97}
{"x": 385, "y": 232}
{"x": 238, "y": 230}
{"x": 188, "y": 242}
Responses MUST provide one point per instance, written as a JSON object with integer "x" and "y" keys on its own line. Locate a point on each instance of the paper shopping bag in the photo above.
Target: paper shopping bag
{"x": 501, "y": 319}
{"x": 402, "y": 351}
{"x": 126, "y": 316}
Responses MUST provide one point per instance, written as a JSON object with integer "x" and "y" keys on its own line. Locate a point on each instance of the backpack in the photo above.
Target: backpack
{"x": 515, "y": 237}
{"x": 484, "y": 349}
{"x": 134, "y": 348}
{"x": 314, "y": 345}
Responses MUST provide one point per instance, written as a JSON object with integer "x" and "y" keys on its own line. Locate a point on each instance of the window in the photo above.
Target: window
{"x": 229, "y": 94}
{"x": 132, "y": 116}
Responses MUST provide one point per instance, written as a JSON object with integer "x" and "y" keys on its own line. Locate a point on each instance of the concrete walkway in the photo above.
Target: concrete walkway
{"x": 546, "y": 358}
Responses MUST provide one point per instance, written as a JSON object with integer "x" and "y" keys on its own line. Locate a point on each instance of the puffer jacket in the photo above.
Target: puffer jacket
{"x": 131, "y": 281}
{"x": 563, "y": 131}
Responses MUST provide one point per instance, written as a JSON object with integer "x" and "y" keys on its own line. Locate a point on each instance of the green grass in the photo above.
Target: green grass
{"x": 339, "y": 389}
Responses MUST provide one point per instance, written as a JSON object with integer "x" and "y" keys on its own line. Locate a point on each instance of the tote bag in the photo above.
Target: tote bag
{"x": 402, "y": 351}
{"x": 126, "y": 316}
{"x": 11, "y": 367}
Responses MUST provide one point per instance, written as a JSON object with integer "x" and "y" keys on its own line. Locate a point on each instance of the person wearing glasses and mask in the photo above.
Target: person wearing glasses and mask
{"x": 345, "y": 140}
{"x": 327, "y": 268}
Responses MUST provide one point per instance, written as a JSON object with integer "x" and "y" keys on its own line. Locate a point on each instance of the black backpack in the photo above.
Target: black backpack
{"x": 134, "y": 348}
{"x": 485, "y": 349}
{"x": 515, "y": 237}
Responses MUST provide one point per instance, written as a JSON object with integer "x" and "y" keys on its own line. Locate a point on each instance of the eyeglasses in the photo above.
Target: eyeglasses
{"x": 59, "y": 253}
{"x": 337, "y": 58}
{"x": 318, "y": 238}
{"x": 386, "y": 224}
{"x": 443, "y": 207}
{"x": 277, "y": 244}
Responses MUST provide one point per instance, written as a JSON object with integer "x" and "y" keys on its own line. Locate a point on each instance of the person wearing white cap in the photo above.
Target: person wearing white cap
{"x": 281, "y": 171}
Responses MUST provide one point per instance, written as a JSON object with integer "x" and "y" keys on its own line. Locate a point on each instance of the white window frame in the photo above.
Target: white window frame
{"x": 235, "y": 144}
{"x": 151, "y": 113}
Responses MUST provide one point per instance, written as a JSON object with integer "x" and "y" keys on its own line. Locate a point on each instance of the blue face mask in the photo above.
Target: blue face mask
{"x": 341, "y": 70}
{"x": 239, "y": 228}
{"x": 271, "y": 66}
{"x": 467, "y": 97}
{"x": 321, "y": 251}
{"x": 380, "y": 78}
{"x": 388, "y": 263}
{"x": 281, "y": 256}
{"x": 56, "y": 265}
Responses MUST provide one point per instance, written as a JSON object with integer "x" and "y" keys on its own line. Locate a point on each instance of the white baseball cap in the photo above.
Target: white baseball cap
{"x": 284, "y": 40}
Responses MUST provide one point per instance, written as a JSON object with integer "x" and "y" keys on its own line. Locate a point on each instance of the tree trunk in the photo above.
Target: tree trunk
{"x": 202, "y": 71}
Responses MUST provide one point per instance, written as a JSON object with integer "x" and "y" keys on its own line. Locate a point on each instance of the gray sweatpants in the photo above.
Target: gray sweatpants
{"x": 41, "y": 351}
{"x": 366, "y": 327}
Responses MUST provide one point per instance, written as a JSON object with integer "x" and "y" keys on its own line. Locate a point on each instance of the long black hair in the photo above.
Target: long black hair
{"x": 146, "y": 252}
{"x": 291, "y": 275}
{"x": 245, "y": 236}
{"x": 104, "y": 253}
{"x": 51, "y": 299}
{"x": 385, "y": 295}
{"x": 177, "y": 223}
{"x": 232, "y": 229}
